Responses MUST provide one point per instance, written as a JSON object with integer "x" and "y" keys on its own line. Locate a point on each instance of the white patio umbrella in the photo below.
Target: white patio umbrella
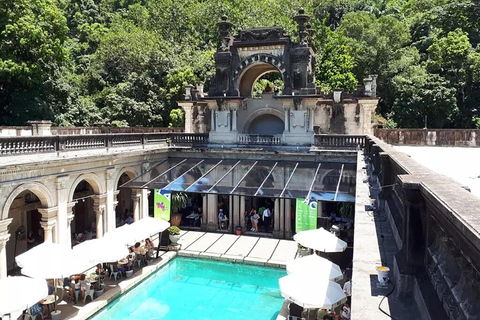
{"x": 51, "y": 261}
{"x": 321, "y": 240}
{"x": 100, "y": 251}
{"x": 129, "y": 234}
{"x": 314, "y": 265}
{"x": 20, "y": 293}
{"x": 312, "y": 293}
{"x": 149, "y": 226}
{"x": 124, "y": 235}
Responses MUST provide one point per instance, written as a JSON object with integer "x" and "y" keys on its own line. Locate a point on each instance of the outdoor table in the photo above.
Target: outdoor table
{"x": 193, "y": 217}
{"x": 49, "y": 302}
{"x": 123, "y": 262}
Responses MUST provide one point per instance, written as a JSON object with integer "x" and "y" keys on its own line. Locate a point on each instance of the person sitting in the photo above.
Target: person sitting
{"x": 149, "y": 248}
{"x": 138, "y": 248}
{"x": 222, "y": 219}
{"x": 131, "y": 259}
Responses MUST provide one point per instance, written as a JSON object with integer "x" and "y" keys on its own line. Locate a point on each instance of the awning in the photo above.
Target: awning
{"x": 325, "y": 181}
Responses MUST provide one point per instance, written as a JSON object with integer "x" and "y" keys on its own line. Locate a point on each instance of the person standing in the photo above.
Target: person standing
{"x": 267, "y": 218}
{"x": 346, "y": 311}
{"x": 347, "y": 288}
{"x": 255, "y": 218}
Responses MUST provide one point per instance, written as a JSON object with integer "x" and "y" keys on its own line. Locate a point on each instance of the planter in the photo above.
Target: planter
{"x": 174, "y": 239}
{"x": 129, "y": 273}
{"x": 176, "y": 219}
{"x": 98, "y": 293}
{"x": 56, "y": 315}
{"x": 238, "y": 231}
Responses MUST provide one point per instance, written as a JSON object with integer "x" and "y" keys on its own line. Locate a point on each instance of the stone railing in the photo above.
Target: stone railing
{"x": 102, "y": 130}
{"x": 430, "y": 137}
{"x": 29, "y": 131}
{"x": 31, "y": 145}
{"x": 342, "y": 141}
{"x": 436, "y": 227}
{"x": 260, "y": 139}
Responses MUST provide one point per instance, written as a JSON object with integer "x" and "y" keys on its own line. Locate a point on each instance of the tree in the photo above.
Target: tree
{"x": 335, "y": 67}
{"x": 32, "y": 55}
{"x": 177, "y": 117}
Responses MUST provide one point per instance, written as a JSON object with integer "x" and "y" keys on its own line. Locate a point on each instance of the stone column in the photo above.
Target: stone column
{"x": 63, "y": 227}
{"x": 288, "y": 225}
{"x": 242, "y": 208}
{"x": 278, "y": 215}
{"x": 48, "y": 230}
{"x": 234, "y": 119}
{"x": 286, "y": 126}
{"x": 237, "y": 216}
{"x": 70, "y": 217}
{"x": 367, "y": 108}
{"x": 187, "y": 106}
{"x": 212, "y": 105}
{"x": 144, "y": 203}
{"x": 4, "y": 237}
{"x": 204, "y": 210}
{"x": 233, "y": 105}
{"x": 99, "y": 209}
{"x": 109, "y": 218}
{"x": 49, "y": 223}
{"x": 136, "y": 197}
{"x": 212, "y": 212}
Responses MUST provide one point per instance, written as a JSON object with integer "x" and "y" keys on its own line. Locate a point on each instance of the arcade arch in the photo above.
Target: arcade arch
{"x": 22, "y": 206}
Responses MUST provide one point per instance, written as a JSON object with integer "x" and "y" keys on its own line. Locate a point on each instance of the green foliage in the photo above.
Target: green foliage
{"x": 173, "y": 230}
{"x": 177, "y": 116}
{"x": 335, "y": 68}
{"x": 178, "y": 200}
{"x": 125, "y": 62}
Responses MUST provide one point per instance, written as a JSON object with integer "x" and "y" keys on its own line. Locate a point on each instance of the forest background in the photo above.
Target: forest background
{"x": 125, "y": 62}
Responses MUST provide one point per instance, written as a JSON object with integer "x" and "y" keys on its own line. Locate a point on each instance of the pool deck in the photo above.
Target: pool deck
{"x": 223, "y": 247}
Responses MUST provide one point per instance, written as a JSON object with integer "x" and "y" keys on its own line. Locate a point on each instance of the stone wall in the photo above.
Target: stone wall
{"x": 437, "y": 232}
{"x": 430, "y": 137}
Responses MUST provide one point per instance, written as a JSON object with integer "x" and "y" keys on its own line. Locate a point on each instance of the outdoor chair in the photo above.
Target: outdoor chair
{"x": 32, "y": 314}
{"x": 88, "y": 290}
{"x": 138, "y": 260}
{"x": 114, "y": 272}
{"x": 295, "y": 312}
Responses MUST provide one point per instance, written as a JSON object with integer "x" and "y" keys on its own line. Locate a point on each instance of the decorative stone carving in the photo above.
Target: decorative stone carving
{"x": 260, "y": 34}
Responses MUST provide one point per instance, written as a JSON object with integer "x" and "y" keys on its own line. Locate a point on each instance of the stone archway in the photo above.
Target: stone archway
{"x": 125, "y": 198}
{"x": 21, "y": 211}
{"x": 262, "y": 113}
{"x": 41, "y": 191}
{"x": 252, "y": 68}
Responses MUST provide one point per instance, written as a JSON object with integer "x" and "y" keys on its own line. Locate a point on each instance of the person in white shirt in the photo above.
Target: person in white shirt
{"x": 347, "y": 288}
{"x": 346, "y": 311}
{"x": 267, "y": 218}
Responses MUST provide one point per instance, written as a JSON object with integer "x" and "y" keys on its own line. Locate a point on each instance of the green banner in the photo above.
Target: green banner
{"x": 306, "y": 215}
{"x": 161, "y": 207}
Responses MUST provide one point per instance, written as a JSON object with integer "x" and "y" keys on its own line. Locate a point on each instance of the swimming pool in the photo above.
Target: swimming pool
{"x": 201, "y": 289}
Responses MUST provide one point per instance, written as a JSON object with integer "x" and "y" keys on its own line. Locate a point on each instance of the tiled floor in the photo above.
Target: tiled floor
{"x": 247, "y": 249}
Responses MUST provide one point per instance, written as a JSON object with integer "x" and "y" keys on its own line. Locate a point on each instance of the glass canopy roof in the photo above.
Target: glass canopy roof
{"x": 326, "y": 181}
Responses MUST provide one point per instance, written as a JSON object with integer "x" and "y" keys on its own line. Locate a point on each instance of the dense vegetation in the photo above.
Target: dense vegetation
{"x": 124, "y": 62}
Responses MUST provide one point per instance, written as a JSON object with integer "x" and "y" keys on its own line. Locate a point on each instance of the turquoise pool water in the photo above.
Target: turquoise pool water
{"x": 201, "y": 289}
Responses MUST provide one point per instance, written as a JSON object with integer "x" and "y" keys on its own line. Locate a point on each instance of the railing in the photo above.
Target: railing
{"x": 332, "y": 141}
{"x": 430, "y": 137}
{"x": 188, "y": 138}
{"x": 260, "y": 139}
{"x": 42, "y": 144}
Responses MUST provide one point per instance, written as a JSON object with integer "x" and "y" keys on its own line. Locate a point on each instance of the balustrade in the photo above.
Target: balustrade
{"x": 340, "y": 141}
{"x": 260, "y": 139}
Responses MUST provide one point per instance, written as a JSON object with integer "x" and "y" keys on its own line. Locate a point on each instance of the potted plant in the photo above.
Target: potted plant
{"x": 238, "y": 230}
{"x": 174, "y": 234}
{"x": 178, "y": 201}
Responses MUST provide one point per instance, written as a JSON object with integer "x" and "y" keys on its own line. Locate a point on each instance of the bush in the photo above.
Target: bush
{"x": 173, "y": 230}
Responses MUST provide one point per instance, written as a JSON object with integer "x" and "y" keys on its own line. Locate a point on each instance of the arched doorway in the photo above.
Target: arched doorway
{"x": 25, "y": 229}
{"x": 125, "y": 203}
{"x": 83, "y": 226}
{"x": 266, "y": 124}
